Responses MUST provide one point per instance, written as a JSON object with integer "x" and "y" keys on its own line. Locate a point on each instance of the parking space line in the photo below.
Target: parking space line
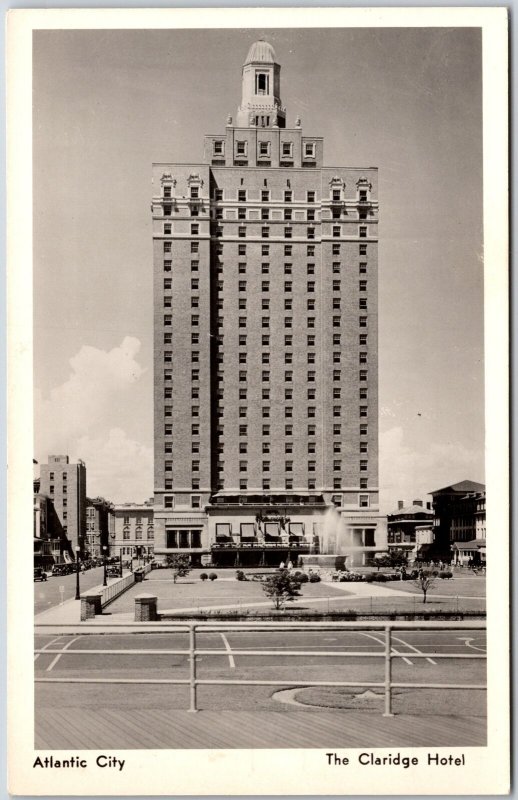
{"x": 381, "y": 641}
{"x": 229, "y": 651}
{"x": 60, "y": 654}
{"x": 415, "y": 649}
{"x": 49, "y": 644}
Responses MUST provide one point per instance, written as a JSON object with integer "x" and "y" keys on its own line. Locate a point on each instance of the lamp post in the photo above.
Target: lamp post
{"x": 78, "y": 594}
{"x": 120, "y": 559}
{"x": 105, "y": 583}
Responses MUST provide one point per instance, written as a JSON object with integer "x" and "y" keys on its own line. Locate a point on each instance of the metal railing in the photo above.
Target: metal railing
{"x": 387, "y": 654}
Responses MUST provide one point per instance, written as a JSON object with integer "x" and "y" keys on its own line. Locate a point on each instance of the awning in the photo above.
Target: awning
{"x": 271, "y": 528}
{"x": 223, "y": 530}
{"x": 296, "y": 528}
{"x": 248, "y": 530}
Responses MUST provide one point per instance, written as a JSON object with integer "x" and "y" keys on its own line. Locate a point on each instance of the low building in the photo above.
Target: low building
{"x": 133, "y": 529}
{"x": 402, "y": 525}
{"x": 459, "y": 522}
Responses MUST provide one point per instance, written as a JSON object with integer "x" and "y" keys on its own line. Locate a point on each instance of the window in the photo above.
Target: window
{"x": 265, "y": 268}
{"x": 337, "y": 392}
{"x": 288, "y": 466}
{"x": 363, "y": 500}
{"x": 241, "y": 267}
{"x": 265, "y": 322}
{"x": 288, "y": 195}
{"x": 311, "y": 269}
{"x": 288, "y": 483}
{"x": 265, "y": 303}
{"x": 195, "y": 302}
{"x": 288, "y": 214}
{"x": 363, "y": 267}
{"x": 241, "y": 249}
{"x": 168, "y": 319}
{"x": 311, "y": 322}
{"x": 242, "y": 358}
{"x": 218, "y": 148}
{"x": 288, "y": 339}
{"x": 242, "y": 286}
{"x": 241, "y": 232}
{"x": 362, "y": 322}
{"x": 311, "y": 466}
{"x": 311, "y": 286}
{"x": 241, "y": 193}
{"x": 288, "y": 358}
{"x": 168, "y": 375}
{"x": 310, "y": 304}
{"x": 362, "y": 232}
{"x": 265, "y": 213}
{"x": 363, "y": 249}
{"x": 336, "y": 249}
{"x": 167, "y": 266}
{"x": 337, "y": 483}
{"x": 265, "y": 194}
{"x": 288, "y": 304}
{"x": 311, "y": 429}
{"x": 309, "y": 150}
{"x": 362, "y": 303}
{"x": 195, "y": 248}
{"x": 243, "y": 466}
{"x": 312, "y": 411}
{"x": 265, "y": 376}
{"x": 242, "y": 411}
{"x": 336, "y": 230}
{"x": 287, "y": 149}
{"x": 288, "y": 394}
{"x": 363, "y": 374}
{"x": 265, "y": 339}
{"x": 218, "y": 194}
{"x": 336, "y": 303}
{"x": 310, "y": 197}
{"x": 288, "y": 411}
{"x": 363, "y": 411}
{"x": 288, "y": 233}
{"x": 363, "y": 466}
{"x": 363, "y": 483}
{"x": 337, "y": 411}
{"x": 363, "y": 358}
{"x": 364, "y": 447}
{"x": 243, "y": 430}
{"x": 265, "y": 286}
{"x": 310, "y": 250}
{"x": 311, "y": 447}
{"x": 242, "y": 376}
{"x": 337, "y": 447}
{"x": 241, "y": 148}
{"x": 311, "y": 358}
{"x": 265, "y": 249}
{"x": 311, "y": 233}
{"x": 266, "y": 394}
{"x": 167, "y": 247}
{"x": 195, "y": 229}
{"x": 288, "y": 375}
{"x": 363, "y": 286}
{"x": 288, "y": 430}
{"x": 288, "y": 322}
{"x": 265, "y": 358}
{"x": 266, "y": 430}
{"x": 241, "y": 214}
{"x": 168, "y": 411}
{"x": 242, "y": 322}
{"x": 265, "y": 232}
{"x": 288, "y": 249}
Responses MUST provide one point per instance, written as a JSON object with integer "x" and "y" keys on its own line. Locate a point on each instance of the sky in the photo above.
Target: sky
{"x": 107, "y": 104}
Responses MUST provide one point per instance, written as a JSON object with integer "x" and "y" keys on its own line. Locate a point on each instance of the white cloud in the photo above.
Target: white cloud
{"x": 408, "y": 474}
{"x": 84, "y": 418}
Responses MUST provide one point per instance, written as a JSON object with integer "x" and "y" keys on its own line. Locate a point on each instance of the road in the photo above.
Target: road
{"x": 47, "y": 593}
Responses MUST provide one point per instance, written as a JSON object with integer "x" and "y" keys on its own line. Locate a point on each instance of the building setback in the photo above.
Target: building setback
{"x": 266, "y": 353}
{"x": 65, "y": 484}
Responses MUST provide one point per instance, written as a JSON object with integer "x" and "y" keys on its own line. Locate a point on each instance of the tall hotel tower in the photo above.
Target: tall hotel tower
{"x": 265, "y": 356}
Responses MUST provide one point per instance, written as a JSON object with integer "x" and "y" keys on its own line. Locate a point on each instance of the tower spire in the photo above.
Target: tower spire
{"x": 261, "y": 102}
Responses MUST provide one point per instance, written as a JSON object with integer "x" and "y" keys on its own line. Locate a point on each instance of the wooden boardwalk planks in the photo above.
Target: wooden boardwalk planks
{"x": 91, "y": 729}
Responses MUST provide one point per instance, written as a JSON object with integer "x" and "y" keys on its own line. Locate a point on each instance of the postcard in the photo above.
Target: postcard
{"x": 258, "y": 364}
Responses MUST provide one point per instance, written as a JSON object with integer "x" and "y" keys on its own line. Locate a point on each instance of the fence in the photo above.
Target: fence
{"x": 117, "y": 587}
{"x": 193, "y": 652}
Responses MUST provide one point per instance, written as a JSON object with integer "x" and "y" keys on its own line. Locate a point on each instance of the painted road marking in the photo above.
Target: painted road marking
{"x": 411, "y": 646}
{"x": 381, "y": 641}
{"x": 49, "y": 644}
{"x": 55, "y": 661}
{"x": 229, "y": 651}
{"x": 467, "y": 641}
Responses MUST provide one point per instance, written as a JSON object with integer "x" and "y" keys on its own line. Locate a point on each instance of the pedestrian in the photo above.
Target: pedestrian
{"x": 281, "y": 565}
{"x": 290, "y": 565}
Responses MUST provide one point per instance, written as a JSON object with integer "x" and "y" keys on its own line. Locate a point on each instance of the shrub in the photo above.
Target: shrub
{"x": 314, "y": 577}
{"x": 240, "y": 575}
{"x": 302, "y": 578}
{"x": 281, "y": 588}
{"x": 370, "y": 576}
{"x": 380, "y": 577}
{"x": 212, "y": 576}
{"x": 203, "y": 576}
{"x": 445, "y": 574}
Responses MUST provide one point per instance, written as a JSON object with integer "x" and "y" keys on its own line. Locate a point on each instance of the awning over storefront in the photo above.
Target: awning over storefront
{"x": 223, "y": 530}
{"x": 247, "y": 530}
{"x": 271, "y": 528}
{"x": 296, "y": 529}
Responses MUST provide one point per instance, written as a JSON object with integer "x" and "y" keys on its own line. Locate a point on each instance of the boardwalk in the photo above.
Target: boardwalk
{"x": 154, "y": 728}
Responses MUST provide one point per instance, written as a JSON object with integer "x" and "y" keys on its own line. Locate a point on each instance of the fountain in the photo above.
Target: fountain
{"x": 336, "y": 539}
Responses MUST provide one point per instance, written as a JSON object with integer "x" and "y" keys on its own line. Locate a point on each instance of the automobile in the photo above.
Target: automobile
{"x": 114, "y": 572}
{"x": 59, "y": 569}
{"x": 40, "y": 574}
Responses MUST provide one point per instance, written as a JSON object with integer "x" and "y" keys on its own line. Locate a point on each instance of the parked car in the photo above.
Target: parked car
{"x": 59, "y": 569}
{"x": 40, "y": 574}
{"x": 114, "y": 572}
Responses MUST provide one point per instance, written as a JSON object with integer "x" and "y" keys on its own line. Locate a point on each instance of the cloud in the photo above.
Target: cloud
{"x": 85, "y": 418}
{"x": 408, "y": 473}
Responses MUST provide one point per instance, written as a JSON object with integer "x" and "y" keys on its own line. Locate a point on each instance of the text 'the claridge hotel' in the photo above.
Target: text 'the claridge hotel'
{"x": 265, "y": 350}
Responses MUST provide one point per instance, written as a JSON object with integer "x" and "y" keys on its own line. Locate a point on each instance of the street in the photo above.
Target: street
{"x": 47, "y": 593}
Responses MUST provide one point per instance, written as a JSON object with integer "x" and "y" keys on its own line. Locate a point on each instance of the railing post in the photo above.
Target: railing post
{"x": 388, "y": 672}
{"x": 192, "y": 668}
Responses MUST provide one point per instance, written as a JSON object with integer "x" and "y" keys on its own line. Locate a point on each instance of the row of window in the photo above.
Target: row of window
{"x": 263, "y": 147}
{"x": 265, "y": 250}
{"x": 265, "y": 268}
{"x": 336, "y": 195}
{"x": 64, "y": 476}
{"x": 337, "y": 212}
{"x": 336, "y": 232}
{"x": 265, "y": 341}
{"x": 138, "y": 534}
{"x": 265, "y": 284}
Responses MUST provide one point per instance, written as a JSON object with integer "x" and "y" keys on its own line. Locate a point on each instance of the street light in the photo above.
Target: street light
{"x": 105, "y": 583}
{"x": 78, "y": 594}
{"x": 120, "y": 560}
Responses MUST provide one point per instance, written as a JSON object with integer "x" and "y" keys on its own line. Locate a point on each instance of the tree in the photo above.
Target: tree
{"x": 180, "y": 565}
{"x": 425, "y": 580}
{"x": 281, "y": 587}
{"x": 393, "y": 559}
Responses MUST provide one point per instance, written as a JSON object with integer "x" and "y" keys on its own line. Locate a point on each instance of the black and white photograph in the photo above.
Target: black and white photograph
{"x": 261, "y": 319}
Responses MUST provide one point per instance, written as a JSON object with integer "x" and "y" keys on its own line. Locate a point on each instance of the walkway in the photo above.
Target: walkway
{"x": 154, "y": 728}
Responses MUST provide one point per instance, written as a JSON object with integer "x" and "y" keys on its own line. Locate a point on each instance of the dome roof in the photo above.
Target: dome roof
{"x": 261, "y": 51}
